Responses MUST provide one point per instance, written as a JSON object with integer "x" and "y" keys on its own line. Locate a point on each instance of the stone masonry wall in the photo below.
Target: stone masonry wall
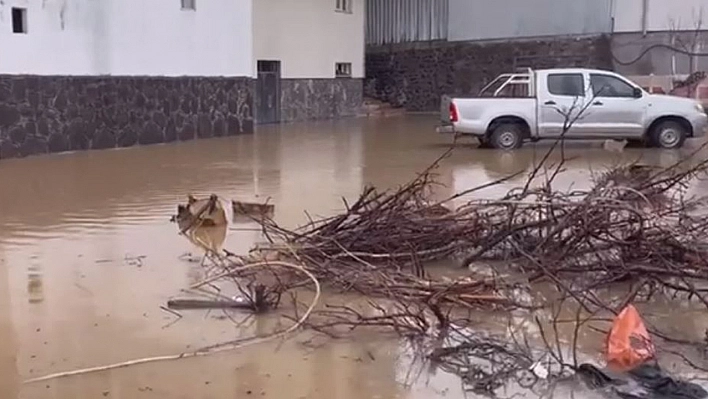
{"x": 416, "y": 75}
{"x": 46, "y": 114}
{"x": 310, "y": 99}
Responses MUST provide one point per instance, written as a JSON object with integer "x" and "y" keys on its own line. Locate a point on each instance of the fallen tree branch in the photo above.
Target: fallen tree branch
{"x": 207, "y": 350}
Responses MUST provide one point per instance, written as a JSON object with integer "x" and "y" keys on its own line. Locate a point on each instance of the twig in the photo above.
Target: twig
{"x": 207, "y": 350}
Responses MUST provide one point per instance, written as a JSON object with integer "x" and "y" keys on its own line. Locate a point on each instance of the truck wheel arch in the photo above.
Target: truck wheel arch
{"x": 509, "y": 119}
{"x": 683, "y": 121}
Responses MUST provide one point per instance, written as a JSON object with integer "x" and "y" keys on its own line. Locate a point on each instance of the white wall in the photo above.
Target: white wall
{"x": 308, "y": 36}
{"x": 156, "y": 37}
{"x": 47, "y": 48}
{"x": 662, "y": 15}
{"x": 128, "y": 37}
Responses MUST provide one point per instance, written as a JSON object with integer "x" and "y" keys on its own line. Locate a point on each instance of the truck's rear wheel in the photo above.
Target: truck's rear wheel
{"x": 507, "y": 136}
{"x": 668, "y": 134}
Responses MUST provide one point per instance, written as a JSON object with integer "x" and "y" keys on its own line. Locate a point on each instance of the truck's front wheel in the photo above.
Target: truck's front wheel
{"x": 507, "y": 136}
{"x": 668, "y": 134}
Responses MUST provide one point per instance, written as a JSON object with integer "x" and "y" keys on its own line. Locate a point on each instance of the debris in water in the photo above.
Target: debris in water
{"x": 206, "y": 212}
{"x": 628, "y": 343}
{"x": 636, "y": 224}
{"x": 253, "y": 209}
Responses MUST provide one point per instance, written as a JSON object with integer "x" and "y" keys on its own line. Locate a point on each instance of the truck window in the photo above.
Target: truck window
{"x": 515, "y": 90}
{"x": 496, "y": 84}
{"x": 566, "y": 84}
{"x": 610, "y": 86}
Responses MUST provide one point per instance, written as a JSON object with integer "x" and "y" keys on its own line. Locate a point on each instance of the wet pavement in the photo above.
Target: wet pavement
{"x": 88, "y": 255}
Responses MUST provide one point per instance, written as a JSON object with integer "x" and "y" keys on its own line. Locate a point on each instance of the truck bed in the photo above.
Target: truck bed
{"x": 477, "y": 112}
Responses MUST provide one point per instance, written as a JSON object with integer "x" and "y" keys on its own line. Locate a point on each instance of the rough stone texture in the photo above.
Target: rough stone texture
{"x": 417, "y": 75}
{"x": 42, "y": 114}
{"x": 310, "y": 99}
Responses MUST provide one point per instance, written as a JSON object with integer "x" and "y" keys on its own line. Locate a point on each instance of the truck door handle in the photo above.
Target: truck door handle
{"x": 550, "y": 102}
{"x": 597, "y": 103}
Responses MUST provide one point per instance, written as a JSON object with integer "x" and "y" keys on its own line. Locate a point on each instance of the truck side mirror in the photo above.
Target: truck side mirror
{"x": 637, "y": 93}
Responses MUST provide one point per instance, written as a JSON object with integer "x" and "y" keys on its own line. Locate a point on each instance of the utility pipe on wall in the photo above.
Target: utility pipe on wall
{"x": 645, "y": 16}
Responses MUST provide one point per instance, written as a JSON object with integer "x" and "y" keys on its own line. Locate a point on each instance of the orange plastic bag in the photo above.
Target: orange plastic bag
{"x": 628, "y": 344}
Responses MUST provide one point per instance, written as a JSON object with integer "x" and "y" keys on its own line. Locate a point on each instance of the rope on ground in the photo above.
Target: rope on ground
{"x": 211, "y": 349}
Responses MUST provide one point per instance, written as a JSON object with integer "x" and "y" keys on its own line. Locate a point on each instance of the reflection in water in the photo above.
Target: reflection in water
{"x": 8, "y": 349}
{"x": 35, "y": 289}
{"x": 580, "y": 163}
{"x": 209, "y": 238}
{"x": 71, "y": 220}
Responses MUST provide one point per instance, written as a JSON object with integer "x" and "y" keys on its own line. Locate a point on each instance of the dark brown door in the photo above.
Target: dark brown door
{"x": 268, "y": 92}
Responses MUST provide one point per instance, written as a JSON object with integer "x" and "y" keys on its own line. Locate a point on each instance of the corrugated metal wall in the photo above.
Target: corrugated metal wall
{"x": 397, "y": 21}
{"x": 497, "y": 19}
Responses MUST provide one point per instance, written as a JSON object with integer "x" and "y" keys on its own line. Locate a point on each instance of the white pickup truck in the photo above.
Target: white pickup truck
{"x": 572, "y": 104}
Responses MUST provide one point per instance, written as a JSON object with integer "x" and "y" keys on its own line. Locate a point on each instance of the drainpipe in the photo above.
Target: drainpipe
{"x": 645, "y": 17}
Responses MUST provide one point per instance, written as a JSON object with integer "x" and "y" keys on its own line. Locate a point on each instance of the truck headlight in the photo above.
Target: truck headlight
{"x": 699, "y": 108}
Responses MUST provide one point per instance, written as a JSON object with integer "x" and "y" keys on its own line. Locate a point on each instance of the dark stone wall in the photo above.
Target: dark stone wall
{"x": 416, "y": 75}
{"x": 310, "y": 99}
{"x": 45, "y": 114}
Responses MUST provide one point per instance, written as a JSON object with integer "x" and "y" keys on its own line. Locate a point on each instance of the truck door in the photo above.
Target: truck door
{"x": 561, "y": 95}
{"x": 617, "y": 110}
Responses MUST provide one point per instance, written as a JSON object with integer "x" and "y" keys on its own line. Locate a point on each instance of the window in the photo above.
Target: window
{"x": 509, "y": 86}
{"x": 515, "y": 90}
{"x": 344, "y": 5}
{"x": 189, "y": 4}
{"x": 343, "y": 69}
{"x": 19, "y": 20}
{"x": 268, "y": 66}
{"x": 490, "y": 89}
{"x": 610, "y": 86}
{"x": 566, "y": 84}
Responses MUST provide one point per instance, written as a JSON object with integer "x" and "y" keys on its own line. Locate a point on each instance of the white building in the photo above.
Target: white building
{"x": 308, "y": 43}
{"x": 78, "y": 74}
{"x": 126, "y": 37}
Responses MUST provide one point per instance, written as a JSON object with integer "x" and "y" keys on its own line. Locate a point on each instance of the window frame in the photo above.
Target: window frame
{"x": 607, "y": 76}
{"x": 185, "y": 5}
{"x": 23, "y": 20}
{"x": 575, "y": 74}
{"x": 343, "y": 6}
{"x": 348, "y": 67}
{"x": 507, "y": 80}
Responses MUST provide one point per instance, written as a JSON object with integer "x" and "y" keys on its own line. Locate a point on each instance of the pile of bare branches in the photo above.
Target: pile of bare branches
{"x": 389, "y": 227}
{"x": 635, "y": 224}
{"x": 380, "y": 245}
{"x": 486, "y": 363}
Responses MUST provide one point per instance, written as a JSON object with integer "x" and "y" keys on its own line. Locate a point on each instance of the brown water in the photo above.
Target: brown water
{"x": 88, "y": 255}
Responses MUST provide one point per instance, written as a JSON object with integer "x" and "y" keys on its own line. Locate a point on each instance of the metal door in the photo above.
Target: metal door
{"x": 615, "y": 112}
{"x": 268, "y": 92}
{"x": 561, "y": 97}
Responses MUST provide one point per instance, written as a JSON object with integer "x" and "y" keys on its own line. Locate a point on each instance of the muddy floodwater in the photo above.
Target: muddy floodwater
{"x": 88, "y": 255}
